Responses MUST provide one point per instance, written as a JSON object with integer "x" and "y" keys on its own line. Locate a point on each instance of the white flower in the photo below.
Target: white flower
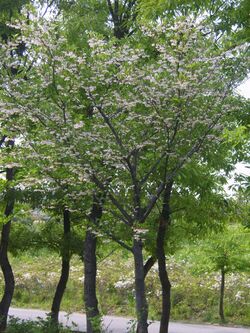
{"x": 27, "y": 276}
{"x": 239, "y": 296}
{"x": 124, "y": 283}
{"x": 79, "y": 125}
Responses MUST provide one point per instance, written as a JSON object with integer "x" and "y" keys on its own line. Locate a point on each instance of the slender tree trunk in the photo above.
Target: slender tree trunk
{"x": 90, "y": 270}
{"x": 9, "y": 282}
{"x": 222, "y": 291}
{"x": 141, "y": 302}
{"x": 8, "y": 277}
{"x": 147, "y": 266}
{"x": 160, "y": 250}
{"x": 64, "y": 269}
{"x": 165, "y": 283}
{"x": 90, "y": 266}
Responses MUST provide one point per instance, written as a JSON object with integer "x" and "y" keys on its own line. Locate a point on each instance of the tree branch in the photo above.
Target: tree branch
{"x": 115, "y": 202}
{"x": 179, "y": 165}
{"x": 118, "y": 241}
{"x": 148, "y": 265}
{"x": 111, "y": 127}
{"x": 152, "y": 169}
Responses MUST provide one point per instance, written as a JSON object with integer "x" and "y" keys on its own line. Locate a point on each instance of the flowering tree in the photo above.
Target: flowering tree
{"x": 7, "y": 142}
{"x": 170, "y": 92}
{"x": 120, "y": 119}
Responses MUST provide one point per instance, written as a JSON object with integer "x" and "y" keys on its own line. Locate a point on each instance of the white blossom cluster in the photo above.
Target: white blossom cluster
{"x": 116, "y": 112}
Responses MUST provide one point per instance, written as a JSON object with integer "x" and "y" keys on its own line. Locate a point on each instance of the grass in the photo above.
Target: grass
{"x": 194, "y": 298}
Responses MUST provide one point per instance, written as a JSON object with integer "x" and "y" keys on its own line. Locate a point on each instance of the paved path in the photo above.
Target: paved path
{"x": 121, "y": 325}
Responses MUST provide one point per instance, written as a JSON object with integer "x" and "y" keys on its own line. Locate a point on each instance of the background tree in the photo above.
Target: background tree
{"x": 228, "y": 17}
{"x": 225, "y": 252}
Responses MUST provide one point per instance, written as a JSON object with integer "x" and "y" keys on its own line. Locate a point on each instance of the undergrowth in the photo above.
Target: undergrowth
{"x": 194, "y": 298}
{"x": 28, "y": 326}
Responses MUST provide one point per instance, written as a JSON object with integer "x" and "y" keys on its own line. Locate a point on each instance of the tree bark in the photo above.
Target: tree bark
{"x": 160, "y": 250}
{"x": 9, "y": 281}
{"x": 90, "y": 266}
{"x": 148, "y": 265}
{"x": 64, "y": 269}
{"x": 8, "y": 277}
{"x": 165, "y": 283}
{"x": 141, "y": 302}
{"x": 222, "y": 291}
{"x": 90, "y": 271}
{"x": 123, "y": 14}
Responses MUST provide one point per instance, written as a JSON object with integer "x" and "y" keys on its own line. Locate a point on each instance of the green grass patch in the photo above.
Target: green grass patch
{"x": 194, "y": 298}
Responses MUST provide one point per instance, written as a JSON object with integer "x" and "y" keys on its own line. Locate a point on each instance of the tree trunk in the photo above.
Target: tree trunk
{"x": 8, "y": 277}
{"x": 222, "y": 290}
{"x": 123, "y": 14}
{"x": 90, "y": 298}
{"x": 141, "y": 302}
{"x": 9, "y": 282}
{"x": 165, "y": 283}
{"x": 64, "y": 269}
{"x": 90, "y": 266}
{"x": 160, "y": 250}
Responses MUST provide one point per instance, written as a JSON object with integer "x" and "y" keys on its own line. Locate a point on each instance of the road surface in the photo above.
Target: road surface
{"x": 121, "y": 325}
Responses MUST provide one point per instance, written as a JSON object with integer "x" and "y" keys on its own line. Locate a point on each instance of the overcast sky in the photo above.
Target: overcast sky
{"x": 244, "y": 90}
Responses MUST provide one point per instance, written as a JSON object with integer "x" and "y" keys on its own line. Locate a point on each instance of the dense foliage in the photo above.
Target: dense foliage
{"x": 126, "y": 139}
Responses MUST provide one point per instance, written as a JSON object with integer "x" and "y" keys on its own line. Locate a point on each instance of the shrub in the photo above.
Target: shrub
{"x": 16, "y": 325}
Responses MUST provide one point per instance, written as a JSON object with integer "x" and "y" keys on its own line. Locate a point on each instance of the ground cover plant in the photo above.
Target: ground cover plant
{"x": 40, "y": 326}
{"x": 35, "y": 286}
